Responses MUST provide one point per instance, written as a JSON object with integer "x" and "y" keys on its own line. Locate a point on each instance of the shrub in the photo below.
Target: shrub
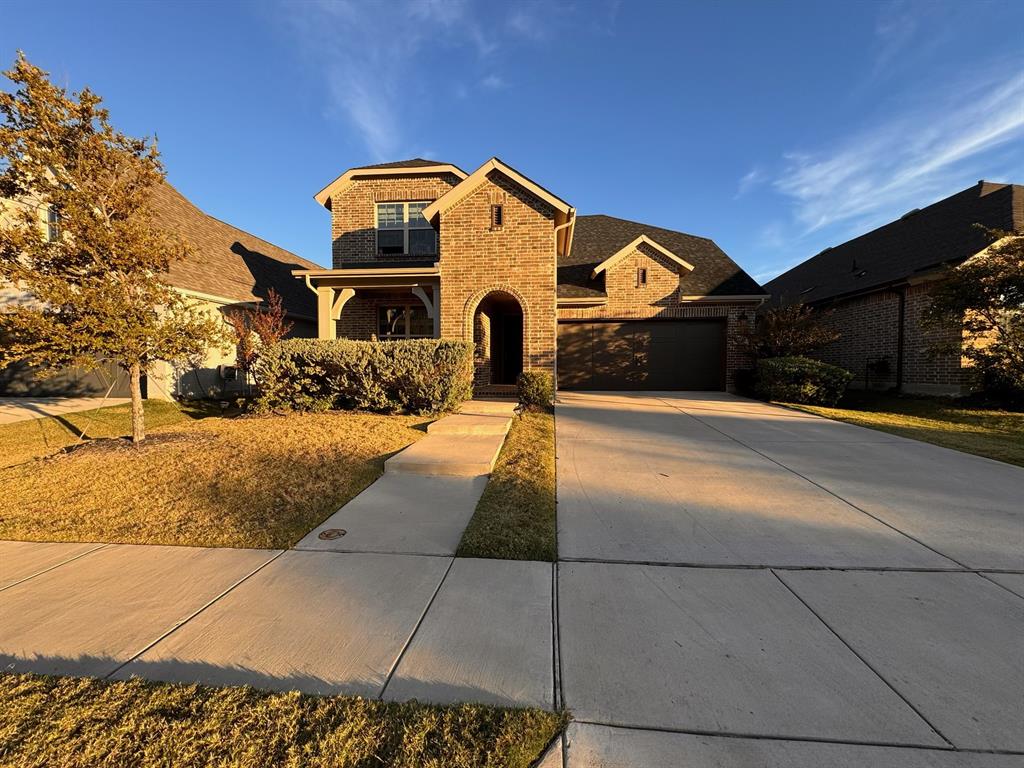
{"x": 536, "y": 389}
{"x": 801, "y": 380}
{"x": 411, "y": 376}
{"x": 788, "y": 331}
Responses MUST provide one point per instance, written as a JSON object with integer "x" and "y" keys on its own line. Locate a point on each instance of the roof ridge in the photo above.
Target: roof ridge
{"x": 645, "y": 224}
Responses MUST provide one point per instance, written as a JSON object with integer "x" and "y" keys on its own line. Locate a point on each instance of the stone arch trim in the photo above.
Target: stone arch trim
{"x": 470, "y": 307}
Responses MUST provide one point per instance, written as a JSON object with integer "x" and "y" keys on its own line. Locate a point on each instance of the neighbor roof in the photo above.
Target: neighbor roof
{"x": 600, "y": 237}
{"x": 919, "y": 242}
{"x": 416, "y": 162}
{"x": 226, "y": 261}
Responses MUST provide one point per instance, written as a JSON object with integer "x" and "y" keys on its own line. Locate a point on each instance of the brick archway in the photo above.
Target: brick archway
{"x": 497, "y": 320}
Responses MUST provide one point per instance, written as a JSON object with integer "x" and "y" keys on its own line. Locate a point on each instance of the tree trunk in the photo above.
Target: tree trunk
{"x": 138, "y": 424}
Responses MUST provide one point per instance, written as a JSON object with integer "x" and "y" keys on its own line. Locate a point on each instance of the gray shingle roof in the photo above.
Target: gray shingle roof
{"x": 226, "y": 261}
{"x": 416, "y": 162}
{"x": 597, "y": 237}
{"x": 918, "y": 242}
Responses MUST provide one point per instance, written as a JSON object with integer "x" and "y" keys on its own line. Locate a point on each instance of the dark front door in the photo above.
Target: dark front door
{"x": 642, "y": 354}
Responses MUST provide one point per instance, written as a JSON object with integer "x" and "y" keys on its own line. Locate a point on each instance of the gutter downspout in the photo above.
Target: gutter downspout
{"x": 569, "y": 222}
{"x": 900, "y": 337}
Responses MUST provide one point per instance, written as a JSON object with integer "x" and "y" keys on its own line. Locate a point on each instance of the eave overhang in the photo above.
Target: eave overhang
{"x": 339, "y": 184}
{"x": 622, "y": 253}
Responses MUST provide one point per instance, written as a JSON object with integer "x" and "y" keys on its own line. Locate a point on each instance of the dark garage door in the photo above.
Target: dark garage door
{"x": 642, "y": 354}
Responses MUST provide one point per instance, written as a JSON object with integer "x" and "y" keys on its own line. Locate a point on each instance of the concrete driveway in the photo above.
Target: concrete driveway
{"x": 742, "y": 585}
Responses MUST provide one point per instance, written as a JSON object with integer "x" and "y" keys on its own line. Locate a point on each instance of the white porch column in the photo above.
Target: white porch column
{"x": 328, "y": 309}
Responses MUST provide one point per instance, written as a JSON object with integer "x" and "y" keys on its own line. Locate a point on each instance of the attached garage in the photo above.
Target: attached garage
{"x": 642, "y": 355}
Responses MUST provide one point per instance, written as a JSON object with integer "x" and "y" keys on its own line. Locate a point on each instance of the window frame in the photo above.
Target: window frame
{"x": 641, "y": 277}
{"x": 406, "y": 228}
{"x": 406, "y": 321}
{"x": 52, "y": 224}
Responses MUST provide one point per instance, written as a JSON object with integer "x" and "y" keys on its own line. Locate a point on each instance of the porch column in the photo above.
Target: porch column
{"x": 432, "y": 306}
{"x": 328, "y": 309}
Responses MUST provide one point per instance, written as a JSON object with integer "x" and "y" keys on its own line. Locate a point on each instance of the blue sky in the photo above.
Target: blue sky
{"x": 775, "y": 128}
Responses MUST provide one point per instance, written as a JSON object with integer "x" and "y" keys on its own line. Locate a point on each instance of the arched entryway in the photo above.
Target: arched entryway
{"x": 498, "y": 340}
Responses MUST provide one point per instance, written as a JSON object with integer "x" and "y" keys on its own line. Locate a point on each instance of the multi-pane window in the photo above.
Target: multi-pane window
{"x": 52, "y": 225}
{"x": 402, "y": 229}
{"x": 405, "y": 322}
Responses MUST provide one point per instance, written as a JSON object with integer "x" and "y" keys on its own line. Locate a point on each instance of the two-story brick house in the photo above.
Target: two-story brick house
{"x": 423, "y": 249}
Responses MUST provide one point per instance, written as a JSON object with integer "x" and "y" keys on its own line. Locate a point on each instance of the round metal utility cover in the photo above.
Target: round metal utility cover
{"x": 328, "y": 534}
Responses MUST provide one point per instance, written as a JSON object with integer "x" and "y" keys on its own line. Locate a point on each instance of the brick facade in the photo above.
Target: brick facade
{"x": 869, "y": 327}
{"x": 353, "y": 212}
{"x": 659, "y": 298}
{"x": 516, "y": 259}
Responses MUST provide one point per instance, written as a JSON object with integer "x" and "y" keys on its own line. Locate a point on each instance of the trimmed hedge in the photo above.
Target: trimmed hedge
{"x": 410, "y": 376}
{"x": 536, "y": 389}
{"x": 801, "y": 380}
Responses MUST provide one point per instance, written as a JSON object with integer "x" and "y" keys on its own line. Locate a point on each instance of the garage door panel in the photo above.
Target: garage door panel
{"x": 651, "y": 355}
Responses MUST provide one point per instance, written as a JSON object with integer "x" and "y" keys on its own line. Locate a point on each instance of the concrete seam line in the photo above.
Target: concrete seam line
{"x": 832, "y": 493}
{"x": 558, "y": 630}
{"x": 763, "y": 566}
{"x": 986, "y": 577}
{"x": 864, "y": 661}
{"x": 53, "y": 567}
{"x": 179, "y": 624}
{"x": 802, "y": 739}
{"x": 415, "y": 629}
{"x": 556, "y": 679}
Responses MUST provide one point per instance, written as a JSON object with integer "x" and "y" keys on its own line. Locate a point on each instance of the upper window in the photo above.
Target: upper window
{"x": 401, "y": 229}
{"x": 52, "y": 225}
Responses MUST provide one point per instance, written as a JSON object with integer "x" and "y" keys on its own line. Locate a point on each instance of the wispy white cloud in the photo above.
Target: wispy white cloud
{"x": 493, "y": 83}
{"x": 367, "y": 53}
{"x": 529, "y": 20}
{"x": 907, "y": 159}
{"x": 751, "y": 179}
{"x": 895, "y": 28}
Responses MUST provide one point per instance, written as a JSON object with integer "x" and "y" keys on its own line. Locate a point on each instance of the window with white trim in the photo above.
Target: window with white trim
{"x": 402, "y": 229}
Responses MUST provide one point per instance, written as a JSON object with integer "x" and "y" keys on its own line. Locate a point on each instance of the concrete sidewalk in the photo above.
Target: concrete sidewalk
{"x": 744, "y": 585}
{"x": 739, "y": 585}
{"x": 14, "y": 409}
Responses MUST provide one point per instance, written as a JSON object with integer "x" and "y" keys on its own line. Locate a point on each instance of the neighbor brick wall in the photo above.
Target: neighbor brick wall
{"x": 869, "y": 330}
{"x": 738, "y": 316}
{"x": 868, "y": 327}
{"x": 353, "y": 212}
{"x": 662, "y": 289}
{"x": 517, "y": 258}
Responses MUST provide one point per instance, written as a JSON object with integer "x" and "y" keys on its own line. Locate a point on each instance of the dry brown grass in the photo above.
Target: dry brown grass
{"x": 241, "y": 482}
{"x": 515, "y": 517}
{"x": 63, "y": 721}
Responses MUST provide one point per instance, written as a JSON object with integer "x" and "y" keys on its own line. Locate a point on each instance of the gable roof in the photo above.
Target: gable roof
{"x": 399, "y": 168}
{"x": 226, "y": 261}
{"x": 919, "y": 242}
{"x": 627, "y": 249}
{"x": 597, "y": 238}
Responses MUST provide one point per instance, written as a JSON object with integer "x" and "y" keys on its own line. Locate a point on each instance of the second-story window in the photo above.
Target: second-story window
{"x": 402, "y": 229}
{"x": 52, "y": 225}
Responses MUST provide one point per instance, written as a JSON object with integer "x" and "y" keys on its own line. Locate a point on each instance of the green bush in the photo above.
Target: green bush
{"x": 801, "y": 380}
{"x": 411, "y": 376}
{"x": 536, "y": 389}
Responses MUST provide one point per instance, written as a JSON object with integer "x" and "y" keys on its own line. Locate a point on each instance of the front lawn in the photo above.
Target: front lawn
{"x": 226, "y": 482}
{"x": 515, "y": 517}
{"x": 51, "y": 721}
{"x": 981, "y": 430}
{"x": 29, "y": 439}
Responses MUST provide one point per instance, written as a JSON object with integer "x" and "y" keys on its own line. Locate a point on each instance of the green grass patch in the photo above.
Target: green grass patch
{"x": 980, "y": 429}
{"x": 52, "y": 721}
{"x": 515, "y": 517}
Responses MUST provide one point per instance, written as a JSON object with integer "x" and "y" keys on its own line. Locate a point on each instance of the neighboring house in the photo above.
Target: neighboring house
{"x": 423, "y": 249}
{"x": 228, "y": 268}
{"x": 876, "y": 287}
